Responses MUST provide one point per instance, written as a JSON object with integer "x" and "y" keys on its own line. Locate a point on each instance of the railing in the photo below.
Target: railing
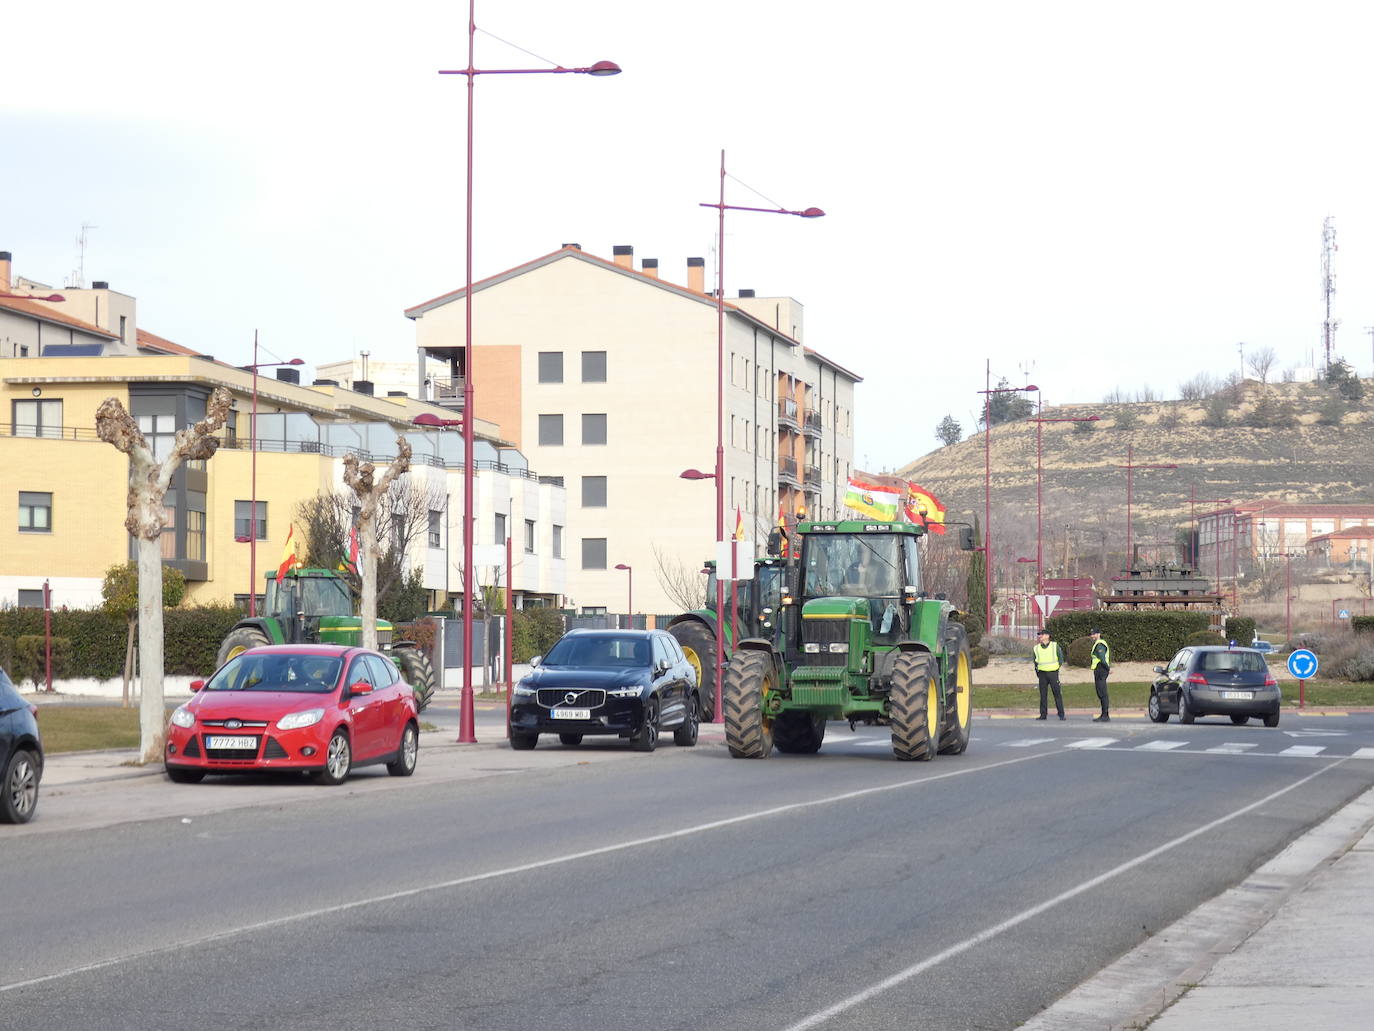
{"x": 447, "y": 388}
{"x": 811, "y": 421}
{"x": 787, "y": 469}
{"x": 813, "y": 475}
{"x": 787, "y": 411}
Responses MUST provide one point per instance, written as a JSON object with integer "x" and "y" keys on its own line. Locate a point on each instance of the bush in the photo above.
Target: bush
{"x": 999, "y": 644}
{"x": 421, "y": 631}
{"x": 1169, "y": 419}
{"x": 1218, "y": 411}
{"x": 1083, "y": 429}
{"x": 1331, "y": 411}
{"x": 534, "y": 632}
{"x": 1240, "y": 629}
{"x": 1126, "y": 418}
{"x": 1147, "y": 636}
{"x": 973, "y": 627}
{"x": 1362, "y": 624}
{"x": 1202, "y": 638}
{"x": 1348, "y": 658}
{"x": 978, "y": 656}
{"x": 1080, "y": 652}
{"x": 30, "y": 663}
{"x": 6, "y": 653}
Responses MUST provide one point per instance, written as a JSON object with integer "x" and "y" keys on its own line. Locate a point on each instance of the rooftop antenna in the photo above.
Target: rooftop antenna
{"x": 1328, "y": 288}
{"x": 77, "y": 280}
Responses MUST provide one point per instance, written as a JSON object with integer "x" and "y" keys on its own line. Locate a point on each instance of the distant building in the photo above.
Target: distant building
{"x": 1236, "y": 537}
{"x": 1352, "y": 548}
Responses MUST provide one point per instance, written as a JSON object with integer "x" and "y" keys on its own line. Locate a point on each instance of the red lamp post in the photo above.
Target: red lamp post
{"x": 629, "y": 591}
{"x": 721, "y": 208}
{"x": 50, "y": 298}
{"x": 471, "y": 72}
{"x": 987, "y": 486}
{"x": 1040, "y": 421}
{"x": 1131, "y": 466}
{"x": 253, "y": 475}
{"x": 1288, "y": 598}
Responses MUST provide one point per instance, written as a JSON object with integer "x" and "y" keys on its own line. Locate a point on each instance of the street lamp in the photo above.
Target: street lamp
{"x": 1288, "y": 598}
{"x": 600, "y": 68}
{"x": 1040, "y": 421}
{"x": 1130, "y": 467}
{"x": 629, "y": 591}
{"x": 987, "y": 486}
{"x": 721, "y": 208}
{"x": 253, "y": 476}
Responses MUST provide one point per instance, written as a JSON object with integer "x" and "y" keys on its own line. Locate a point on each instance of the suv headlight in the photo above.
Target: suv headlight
{"x": 183, "y": 718}
{"x": 626, "y": 692}
{"x": 522, "y": 690}
{"x": 297, "y": 720}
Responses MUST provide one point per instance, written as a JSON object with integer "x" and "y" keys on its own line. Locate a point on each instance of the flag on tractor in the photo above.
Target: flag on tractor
{"x": 782, "y": 531}
{"x": 876, "y": 497}
{"x": 739, "y": 524}
{"x": 350, "y": 564}
{"x": 289, "y": 559}
{"x": 917, "y": 498}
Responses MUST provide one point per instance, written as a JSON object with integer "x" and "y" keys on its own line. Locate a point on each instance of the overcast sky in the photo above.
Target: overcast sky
{"x": 1092, "y": 195}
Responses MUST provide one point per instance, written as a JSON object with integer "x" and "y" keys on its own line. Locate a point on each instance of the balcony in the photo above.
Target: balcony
{"x": 447, "y": 391}
{"x": 787, "y": 415}
{"x": 811, "y": 423}
{"x": 787, "y": 472}
{"x": 813, "y": 477}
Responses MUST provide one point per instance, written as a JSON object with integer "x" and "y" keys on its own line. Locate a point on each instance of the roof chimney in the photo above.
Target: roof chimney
{"x": 696, "y": 274}
{"x": 624, "y": 255}
{"x": 363, "y": 386}
{"x": 325, "y": 383}
{"x": 650, "y": 267}
{"x": 746, "y": 293}
{"x": 396, "y": 393}
{"x": 5, "y": 259}
{"x": 289, "y": 375}
{"x": 572, "y": 246}
{"x": 100, "y": 284}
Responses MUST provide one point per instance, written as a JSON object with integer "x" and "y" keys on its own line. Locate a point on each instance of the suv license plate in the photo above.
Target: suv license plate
{"x": 1238, "y": 696}
{"x": 572, "y": 714}
{"x": 218, "y": 741}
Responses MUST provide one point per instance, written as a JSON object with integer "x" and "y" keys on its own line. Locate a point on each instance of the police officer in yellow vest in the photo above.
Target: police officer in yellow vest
{"x": 1101, "y": 665}
{"x": 1047, "y": 656}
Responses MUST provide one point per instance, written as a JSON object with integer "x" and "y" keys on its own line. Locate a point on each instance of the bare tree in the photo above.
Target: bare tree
{"x": 948, "y": 431}
{"x": 370, "y": 491}
{"x": 1198, "y": 388}
{"x": 1261, "y": 362}
{"x": 684, "y": 585}
{"x": 148, "y": 483}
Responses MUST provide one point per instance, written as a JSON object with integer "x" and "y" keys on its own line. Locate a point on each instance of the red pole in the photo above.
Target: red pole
{"x": 987, "y": 497}
{"x": 720, "y": 438}
{"x": 47, "y": 633}
{"x": 1235, "y": 563}
{"x": 467, "y": 732}
{"x": 630, "y": 594}
{"x": 510, "y": 633}
{"x": 1192, "y": 528}
{"x": 1039, "y": 481}
{"x": 253, "y": 490}
{"x": 1288, "y": 615}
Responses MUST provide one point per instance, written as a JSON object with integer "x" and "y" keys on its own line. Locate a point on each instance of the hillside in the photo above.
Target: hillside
{"x": 1084, "y": 494}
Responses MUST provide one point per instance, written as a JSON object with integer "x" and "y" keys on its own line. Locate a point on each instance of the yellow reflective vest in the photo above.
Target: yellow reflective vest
{"x": 1046, "y": 656}
{"x": 1105, "y": 658}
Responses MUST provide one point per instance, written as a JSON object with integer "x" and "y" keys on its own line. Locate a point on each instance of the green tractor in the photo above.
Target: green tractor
{"x": 862, "y": 643}
{"x": 760, "y": 603}
{"x": 315, "y": 606}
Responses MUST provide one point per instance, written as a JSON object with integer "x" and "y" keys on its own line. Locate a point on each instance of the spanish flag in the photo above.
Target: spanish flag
{"x": 289, "y": 559}
{"x": 739, "y": 524}
{"x": 917, "y": 499}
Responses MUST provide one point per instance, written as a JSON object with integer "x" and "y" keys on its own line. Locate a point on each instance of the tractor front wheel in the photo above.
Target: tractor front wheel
{"x": 240, "y": 639}
{"x": 699, "y": 647}
{"x": 749, "y": 680}
{"x": 799, "y": 733}
{"x": 958, "y": 701}
{"x": 418, "y": 673}
{"x": 914, "y": 707}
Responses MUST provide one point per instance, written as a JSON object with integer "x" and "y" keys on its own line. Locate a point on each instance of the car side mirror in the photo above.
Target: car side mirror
{"x": 359, "y": 687}
{"x": 197, "y": 685}
{"x": 535, "y": 661}
{"x": 1159, "y": 669}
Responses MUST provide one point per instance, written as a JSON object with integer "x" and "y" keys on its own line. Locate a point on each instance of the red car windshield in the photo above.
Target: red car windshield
{"x": 304, "y": 674}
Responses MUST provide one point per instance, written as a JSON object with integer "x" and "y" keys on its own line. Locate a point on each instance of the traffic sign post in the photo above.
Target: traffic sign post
{"x": 1303, "y": 663}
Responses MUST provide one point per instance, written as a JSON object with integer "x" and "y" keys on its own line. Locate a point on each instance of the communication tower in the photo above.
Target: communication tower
{"x": 1328, "y": 288}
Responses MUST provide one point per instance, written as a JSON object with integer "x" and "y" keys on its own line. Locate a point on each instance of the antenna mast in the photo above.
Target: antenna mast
{"x": 77, "y": 280}
{"x": 1328, "y": 288}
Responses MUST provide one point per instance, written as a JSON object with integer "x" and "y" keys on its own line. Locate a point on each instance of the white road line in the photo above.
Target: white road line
{"x": 870, "y": 742}
{"x": 902, "y": 976}
{"x": 1093, "y": 742}
{"x": 1159, "y": 746}
{"x": 1304, "y": 750}
{"x": 1363, "y": 753}
{"x": 1233, "y": 747}
{"x": 1027, "y": 742}
{"x": 540, "y": 864}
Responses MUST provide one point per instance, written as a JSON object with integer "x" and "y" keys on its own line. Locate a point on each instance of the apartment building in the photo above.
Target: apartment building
{"x": 1231, "y": 539}
{"x": 605, "y": 376}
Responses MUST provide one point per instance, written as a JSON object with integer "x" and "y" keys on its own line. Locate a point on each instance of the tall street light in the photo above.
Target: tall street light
{"x": 629, "y": 591}
{"x": 987, "y": 485}
{"x": 469, "y": 527}
{"x": 1040, "y": 421}
{"x": 253, "y": 476}
{"x": 1131, "y": 466}
{"x": 721, "y": 208}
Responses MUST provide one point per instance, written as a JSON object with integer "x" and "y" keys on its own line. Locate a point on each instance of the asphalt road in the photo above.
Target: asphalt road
{"x": 681, "y": 889}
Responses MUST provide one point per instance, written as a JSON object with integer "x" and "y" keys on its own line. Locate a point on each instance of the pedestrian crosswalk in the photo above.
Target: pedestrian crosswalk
{"x": 1276, "y": 746}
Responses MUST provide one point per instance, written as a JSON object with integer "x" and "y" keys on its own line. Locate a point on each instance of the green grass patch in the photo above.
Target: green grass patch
{"x": 84, "y": 728}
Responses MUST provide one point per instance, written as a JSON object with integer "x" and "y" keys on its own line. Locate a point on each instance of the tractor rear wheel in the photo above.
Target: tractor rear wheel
{"x": 240, "y": 639}
{"x": 749, "y": 680}
{"x": 958, "y": 700}
{"x": 418, "y": 673}
{"x": 799, "y": 733}
{"x": 914, "y": 707}
{"x": 699, "y": 646}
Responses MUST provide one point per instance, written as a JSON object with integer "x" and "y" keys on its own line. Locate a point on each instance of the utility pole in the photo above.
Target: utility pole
{"x": 1370, "y": 331}
{"x": 1328, "y": 288}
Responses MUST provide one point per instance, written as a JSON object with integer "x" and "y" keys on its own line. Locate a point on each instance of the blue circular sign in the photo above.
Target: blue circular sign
{"x": 1303, "y": 664}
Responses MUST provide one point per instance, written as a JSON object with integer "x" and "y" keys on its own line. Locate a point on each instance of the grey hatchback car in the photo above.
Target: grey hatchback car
{"x": 1212, "y": 680}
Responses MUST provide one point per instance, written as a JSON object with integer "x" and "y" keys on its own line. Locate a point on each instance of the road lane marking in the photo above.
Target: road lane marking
{"x": 1304, "y": 750}
{"x": 1233, "y": 747}
{"x": 539, "y": 864}
{"x": 1363, "y": 753}
{"x": 1159, "y": 746}
{"x": 1027, "y": 742}
{"x": 1093, "y": 742}
{"x": 902, "y": 976}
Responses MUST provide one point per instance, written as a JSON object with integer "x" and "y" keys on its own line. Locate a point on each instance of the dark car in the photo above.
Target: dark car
{"x": 1216, "y": 681}
{"x": 631, "y": 683}
{"x": 322, "y": 709}
{"x": 21, "y": 755}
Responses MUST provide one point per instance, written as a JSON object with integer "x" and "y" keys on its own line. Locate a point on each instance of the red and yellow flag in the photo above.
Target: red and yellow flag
{"x": 918, "y": 498}
{"x": 739, "y": 524}
{"x": 289, "y": 558}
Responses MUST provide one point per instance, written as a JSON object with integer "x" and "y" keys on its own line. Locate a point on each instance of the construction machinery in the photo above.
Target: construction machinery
{"x": 315, "y": 606}
{"x": 860, "y": 641}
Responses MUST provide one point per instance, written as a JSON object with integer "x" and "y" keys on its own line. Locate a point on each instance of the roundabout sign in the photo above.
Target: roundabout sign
{"x": 1303, "y": 663}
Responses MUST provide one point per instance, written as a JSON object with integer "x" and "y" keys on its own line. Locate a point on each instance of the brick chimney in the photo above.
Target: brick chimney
{"x": 696, "y": 274}
{"x": 650, "y": 267}
{"x": 624, "y": 255}
{"x": 5, "y": 259}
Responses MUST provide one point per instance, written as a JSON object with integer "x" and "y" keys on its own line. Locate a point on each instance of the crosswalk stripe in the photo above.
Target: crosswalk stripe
{"x": 1304, "y": 750}
{"x": 1028, "y": 742}
{"x": 1159, "y": 746}
{"x": 1233, "y": 747}
{"x": 1363, "y": 753}
{"x": 1092, "y": 742}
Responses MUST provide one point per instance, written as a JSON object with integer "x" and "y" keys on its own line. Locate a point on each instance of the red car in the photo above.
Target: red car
{"x": 319, "y": 708}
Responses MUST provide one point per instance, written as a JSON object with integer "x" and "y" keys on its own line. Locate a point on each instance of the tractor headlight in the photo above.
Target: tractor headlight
{"x": 839, "y": 648}
{"x": 183, "y": 718}
{"x": 297, "y": 720}
{"x": 811, "y": 647}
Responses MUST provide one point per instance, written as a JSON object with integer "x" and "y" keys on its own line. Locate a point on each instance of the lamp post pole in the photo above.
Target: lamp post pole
{"x": 1288, "y": 598}
{"x": 987, "y": 485}
{"x": 253, "y": 477}
{"x": 629, "y": 591}
{"x": 1040, "y": 421}
{"x": 721, "y": 208}
{"x": 1130, "y": 467}
{"x": 466, "y": 732}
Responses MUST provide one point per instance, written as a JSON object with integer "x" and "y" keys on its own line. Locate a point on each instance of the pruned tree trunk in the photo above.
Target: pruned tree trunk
{"x": 369, "y": 491}
{"x": 148, "y": 483}
{"x": 129, "y": 659}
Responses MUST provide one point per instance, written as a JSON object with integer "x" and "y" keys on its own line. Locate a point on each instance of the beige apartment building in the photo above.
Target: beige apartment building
{"x": 604, "y": 375}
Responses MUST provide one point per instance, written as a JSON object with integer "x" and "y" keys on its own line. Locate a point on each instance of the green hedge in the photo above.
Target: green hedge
{"x": 1240, "y": 629}
{"x": 1362, "y": 624}
{"x": 30, "y": 661}
{"x": 1080, "y": 652}
{"x": 534, "y": 632}
{"x": 1203, "y": 637}
{"x": 6, "y": 653}
{"x": 1150, "y": 636}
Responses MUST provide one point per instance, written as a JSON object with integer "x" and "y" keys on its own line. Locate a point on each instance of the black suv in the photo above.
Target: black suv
{"x": 630, "y": 683}
{"x": 1212, "y": 680}
{"x": 21, "y": 755}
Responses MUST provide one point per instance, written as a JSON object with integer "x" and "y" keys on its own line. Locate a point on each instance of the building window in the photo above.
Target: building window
{"x": 243, "y": 519}
{"x": 37, "y": 419}
{"x": 529, "y": 536}
{"x": 550, "y": 366}
{"x": 551, "y": 430}
{"x": 593, "y": 366}
{"x": 195, "y": 534}
{"x": 436, "y": 528}
{"x": 169, "y": 533}
{"x": 593, "y": 552}
{"x": 594, "y": 429}
{"x": 558, "y": 542}
{"x": 30, "y": 599}
{"x": 35, "y": 512}
{"x": 500, "y": 528}
{"x": 593, "y": 492}
{"x": 160, "y": 432}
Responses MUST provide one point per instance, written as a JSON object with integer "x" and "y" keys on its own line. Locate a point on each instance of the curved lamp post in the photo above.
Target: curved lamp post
{"x": 629, "y": 591}
{"x": 719, "y": 475}
{"x": 600, "y": 68}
